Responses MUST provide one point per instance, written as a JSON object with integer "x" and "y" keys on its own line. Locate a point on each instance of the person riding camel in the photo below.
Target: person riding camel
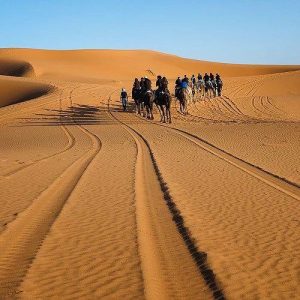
{"x": 206, "y": 78}
{"x": 211, "y": 76}
{"x": 178, "y": 82}
{"x": 164, "y": 85}
{"x": 159, "y": 82}
{"x": 136, "y": 84}
{"x": 219, "y": 84}
{"x": 177, "y": 85}
{"x": 199, "y": 77}
{"x": 142, "y": 83}
{"x": 147, "y": 84}
{"x": 193, "y": 80}
{"x": 185, "y": 79}
{"x": 158, "y": 85}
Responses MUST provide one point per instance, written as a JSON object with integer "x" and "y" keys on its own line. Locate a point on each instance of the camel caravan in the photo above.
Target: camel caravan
{"x": 186, "y": 91}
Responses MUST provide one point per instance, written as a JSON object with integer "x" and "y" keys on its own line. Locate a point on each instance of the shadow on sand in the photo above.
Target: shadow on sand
{"x": 79, "y": 114}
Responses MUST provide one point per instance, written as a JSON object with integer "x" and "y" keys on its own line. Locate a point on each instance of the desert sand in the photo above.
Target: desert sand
{"x": 96, "y": 203}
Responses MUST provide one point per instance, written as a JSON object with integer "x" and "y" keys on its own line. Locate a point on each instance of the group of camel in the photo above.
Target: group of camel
{"x": 144, "y": 100}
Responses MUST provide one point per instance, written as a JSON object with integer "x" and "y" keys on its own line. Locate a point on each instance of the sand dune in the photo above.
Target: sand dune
{"x": 16, "y": 68}
{"x": 95, "y": 65}
{"x": 101, "y": 204}
{"x": 16, "y": 91}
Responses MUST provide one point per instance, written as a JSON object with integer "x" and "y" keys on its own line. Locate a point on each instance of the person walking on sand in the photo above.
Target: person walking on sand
{"x": 124, "y": 99}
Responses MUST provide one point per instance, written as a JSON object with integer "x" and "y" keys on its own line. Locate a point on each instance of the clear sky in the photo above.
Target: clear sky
{"x": 241, "y": 31}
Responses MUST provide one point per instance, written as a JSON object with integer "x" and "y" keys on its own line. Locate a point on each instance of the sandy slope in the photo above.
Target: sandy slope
{"x": 100, "y": 204}
{"x": 15, "y": 90}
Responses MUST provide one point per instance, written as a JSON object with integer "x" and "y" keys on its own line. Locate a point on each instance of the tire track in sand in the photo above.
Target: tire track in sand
{"x": 163, "y": 258}
{"x": 281, "y": 184}
{"x": 70, "y": 144}
{"x": 19, "y": 244}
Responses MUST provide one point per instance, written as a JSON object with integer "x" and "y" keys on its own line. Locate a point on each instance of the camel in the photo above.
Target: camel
{"x": 163, "y": 103}
{"x": 184, "y": 96}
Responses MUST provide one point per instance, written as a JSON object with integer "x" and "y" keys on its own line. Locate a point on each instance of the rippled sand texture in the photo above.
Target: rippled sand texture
{"x": 100, "y": 204}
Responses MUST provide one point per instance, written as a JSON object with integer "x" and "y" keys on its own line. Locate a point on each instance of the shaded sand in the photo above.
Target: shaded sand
{"x": 101, "y": 204}
{"x": 16, "y": 68}
{"x": 16, "y": 91}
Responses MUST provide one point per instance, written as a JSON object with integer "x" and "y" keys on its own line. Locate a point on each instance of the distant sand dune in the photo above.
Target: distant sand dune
{"x": 94, "y": 65}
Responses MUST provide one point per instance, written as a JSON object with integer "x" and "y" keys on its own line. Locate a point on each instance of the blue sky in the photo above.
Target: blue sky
{"x": 241, "y": 31}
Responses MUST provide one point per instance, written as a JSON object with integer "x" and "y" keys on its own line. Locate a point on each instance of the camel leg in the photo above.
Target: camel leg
{"x": 169, "y": 114}
{"x": 160, "y": 112}
{"x": 151, "y": 113}
{"x": 164, "y": 112}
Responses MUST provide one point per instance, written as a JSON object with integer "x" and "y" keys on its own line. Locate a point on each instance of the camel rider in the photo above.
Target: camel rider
{"x": 211, "y": 76}
{"x": 159, "y": 82}
{"x": 136, "y": 84}
{"x": 219, "y": 84}
{"x": 185, "y": 79}
{"x": 164, "y": 85}
{"x": 199, "y": 77}
{"x": 206, "y": 78}
{"x": 159, "y": 86}
{"x": 183, "y": 85}
{"x": 142, "y": 83}
{"x": 177, "y": 85}
{"x": 147, "y": 84}
{"x": 193, "y": 80}
{"x": 124, "y": 99}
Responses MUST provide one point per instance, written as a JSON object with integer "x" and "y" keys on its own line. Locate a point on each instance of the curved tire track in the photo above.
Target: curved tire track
{"x": 287, "y": 187}
{"x": 152, "y": 267}
{"x": 32, "y": 226}
{"x": 70, "y": 144}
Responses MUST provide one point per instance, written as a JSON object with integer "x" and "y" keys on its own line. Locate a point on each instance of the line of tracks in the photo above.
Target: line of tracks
{"x": 283, "y": 185}
{"x": 156, "y": 265}
{"x": 31, "y": 226}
